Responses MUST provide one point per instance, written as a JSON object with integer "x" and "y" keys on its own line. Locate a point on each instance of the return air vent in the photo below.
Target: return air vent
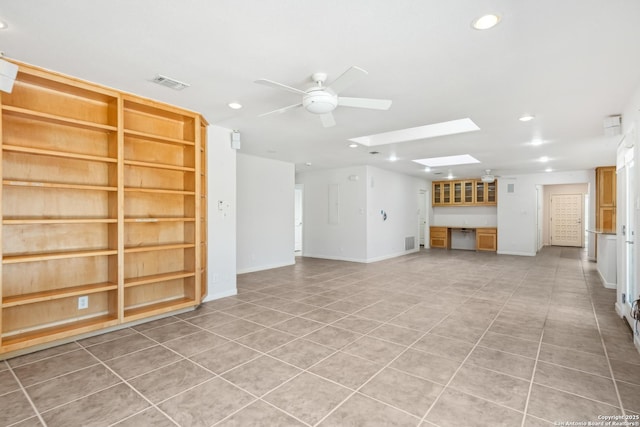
{"x": 169, "y": 82}
{"x": 409, "y": 243}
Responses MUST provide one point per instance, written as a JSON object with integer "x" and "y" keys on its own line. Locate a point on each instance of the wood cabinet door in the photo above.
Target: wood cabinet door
{"x": 468, "y": 192}
{"x": 606, "y": 186}
{"x": 437, "y": 193}
{"x": 446, "y": 193}
{"x": 487, "y": 239}
{"x": 457, "y": 192}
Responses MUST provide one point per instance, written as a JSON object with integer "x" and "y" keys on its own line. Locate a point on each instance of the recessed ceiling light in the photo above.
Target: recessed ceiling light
{"x": 235, "y": 105}
{"x": 485, "y": 22}
{"x": 527, "y": 118}
{"x": 449, "y": 176}
{"x": 427, "y": 169}
{"x": 543, "y": 159}
{"x": 353, "y": 145}
{"x": 420, "y": 132}
{"x": 548, "y": 170}
{"x": 393, "y": 158}
{"x": 463, "y": 159}
{"x": 3, "y": 25}
{"x": 536, "y": 142}
{"x": 308, "y": 163}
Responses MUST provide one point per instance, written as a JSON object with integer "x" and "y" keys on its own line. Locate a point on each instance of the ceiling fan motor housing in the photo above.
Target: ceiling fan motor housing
{"x": 320, "y": 101}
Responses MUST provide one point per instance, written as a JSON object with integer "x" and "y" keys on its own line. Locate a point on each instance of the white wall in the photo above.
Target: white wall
{"x": 345, "y": 239}
{"x": 265, "y": 213}
{"x": 221, "y": 185}
{"x": 397, "y": 196}
{"x": 360, "y": 234}
{"x": 465, "y": 216}
{"x": 516, "y": 212}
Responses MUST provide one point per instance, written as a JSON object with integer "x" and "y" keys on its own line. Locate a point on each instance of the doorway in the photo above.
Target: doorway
{"x": 423, "y": 216}
{"x": 626, "y": 229}
{"x": 297, "y": 219}
{"x": 567, "y": 226}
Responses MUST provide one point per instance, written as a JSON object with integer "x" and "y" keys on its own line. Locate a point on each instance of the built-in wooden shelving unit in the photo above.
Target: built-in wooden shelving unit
{"x": 103, "y": 196}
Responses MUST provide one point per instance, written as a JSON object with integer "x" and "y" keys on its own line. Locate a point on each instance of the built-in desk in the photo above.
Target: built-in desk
{"x": 486, "y": 238}
{"x": 606, "y": 259}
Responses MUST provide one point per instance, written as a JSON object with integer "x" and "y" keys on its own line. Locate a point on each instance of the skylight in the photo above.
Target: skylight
{"x": 434, "y": 162}
{"x": 421, "y": 132}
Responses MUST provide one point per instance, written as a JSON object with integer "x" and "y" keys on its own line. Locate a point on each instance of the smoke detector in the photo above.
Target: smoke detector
{"x": 169, "y": 82}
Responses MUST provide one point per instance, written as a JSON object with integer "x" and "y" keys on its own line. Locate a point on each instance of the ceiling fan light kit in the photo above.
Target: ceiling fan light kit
{"x": 322, "y": 100}
{"x": 488, "y": 177}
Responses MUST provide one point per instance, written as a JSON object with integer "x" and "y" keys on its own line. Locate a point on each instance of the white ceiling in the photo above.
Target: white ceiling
{"x": 571, "y": 63}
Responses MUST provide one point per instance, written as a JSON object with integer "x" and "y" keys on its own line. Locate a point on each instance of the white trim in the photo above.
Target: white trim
{"x": 264, "y": 267}
{"x": 605, "y": 283}
{"x": 228, "y": 293}
{"x": 398, "y": 254}
{"x": 334, "y": 258}
{"x": 360, "y": 260}
{"x": 516, "y": 253}
{"x": 619, "y": 309}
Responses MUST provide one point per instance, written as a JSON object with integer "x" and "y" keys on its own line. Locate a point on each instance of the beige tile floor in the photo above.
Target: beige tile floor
{"x": 436, "y": 338}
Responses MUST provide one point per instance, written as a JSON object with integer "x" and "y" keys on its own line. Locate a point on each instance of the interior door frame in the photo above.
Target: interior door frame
{"x": 581, "y": 212}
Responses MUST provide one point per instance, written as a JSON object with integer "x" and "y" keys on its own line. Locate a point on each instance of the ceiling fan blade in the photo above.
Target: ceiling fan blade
{"x": 277, "y": 85}
{"x": 327, "y": 120}
{"x": 374, "y": 104}
{"x": 281, "y": 110}
{"x": 347, "y": 78}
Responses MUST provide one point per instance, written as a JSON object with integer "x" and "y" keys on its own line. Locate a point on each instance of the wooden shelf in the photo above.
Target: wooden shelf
{"x": 54, "y": 153}
{"x": 144, "y": 280}
{"x": 52, "y": 118}
{"x": 157, "y": 138}
{"x": 98, "y": 185}
{"x": 48, "y": 334}
{"x": 12, "y": 259}
{"x": 131, "y": 314}
{"x": 39, "y": 184}
{"x": 158, "y": 166}
{"x": 57, "y": 294}
{"x": 158, "y": 219}
{"x": 158, "y": 191}
{"x": 166, "y": 247}
{"x": 10, "y": 221}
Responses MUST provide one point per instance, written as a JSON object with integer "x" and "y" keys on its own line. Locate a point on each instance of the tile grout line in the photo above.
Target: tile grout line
{"x": 604, "y": 346}
{"x": 357, "y": 390}
{"x": 533, "y": 375}
{"x": 306, "y": 370}
{"x": 26, "y": 395}
{"x": 435, "y": 401}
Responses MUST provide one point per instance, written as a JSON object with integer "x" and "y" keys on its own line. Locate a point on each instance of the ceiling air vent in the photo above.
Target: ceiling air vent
{"x": 169, "y": 82}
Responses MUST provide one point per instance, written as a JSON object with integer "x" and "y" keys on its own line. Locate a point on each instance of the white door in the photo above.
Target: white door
{"x": 422, "y": 215}
{"x": 626, "y": 227}
{"x": 539, "y": 216}
{"x": 567, "y": 228}
{"x": 297, "y": 220}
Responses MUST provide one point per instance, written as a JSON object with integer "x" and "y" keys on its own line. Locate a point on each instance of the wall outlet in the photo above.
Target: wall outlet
{"x": 83, "y": 302}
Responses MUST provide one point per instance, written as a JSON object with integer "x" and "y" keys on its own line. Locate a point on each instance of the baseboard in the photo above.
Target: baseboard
{"x": 516, "y": 253}
{"x": 396, "y": 255}
{"x": 360, "y": 260}
{"x": 223, "y": 294}
{"x": 264, "y": 267}
{"x": 619, "y": 309}
{"x": 605, "y": 283}
{"x": 334, "y": 258}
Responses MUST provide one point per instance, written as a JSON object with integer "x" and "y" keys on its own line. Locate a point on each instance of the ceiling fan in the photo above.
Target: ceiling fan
{"x": 322, "y": 100}
{"x": 488, "y": 176}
